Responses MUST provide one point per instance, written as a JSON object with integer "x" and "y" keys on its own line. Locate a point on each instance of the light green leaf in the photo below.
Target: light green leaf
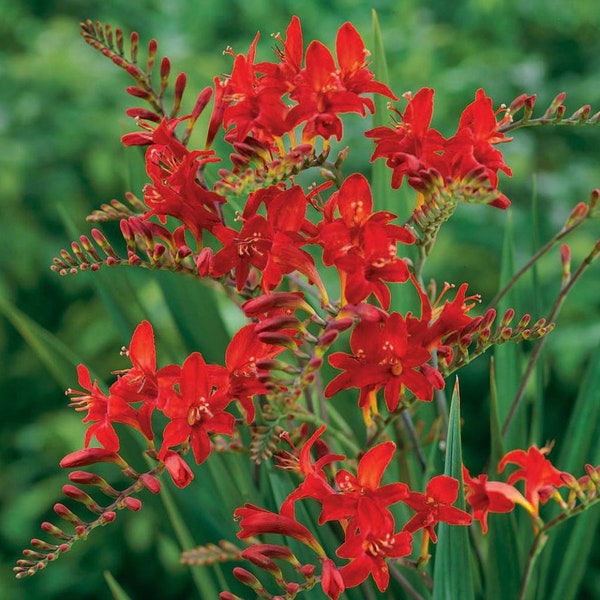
{"x": 452, "y": 576}
{"x": 117, "y": 591}
{"x": 503, "y": 565}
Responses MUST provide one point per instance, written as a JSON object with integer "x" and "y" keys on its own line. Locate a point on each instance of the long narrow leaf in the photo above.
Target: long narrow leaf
{"x": 452, "y": 577}
{"x": 56, "y": 356}
{"x": 567, "y": 552}
{"x": 508, "y": 356}
{"x": 117, "y": 591}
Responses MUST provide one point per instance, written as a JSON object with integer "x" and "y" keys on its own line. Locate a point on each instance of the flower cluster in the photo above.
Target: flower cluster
{"x": 272, "y": 245}
{"x": 465, "y": 164}
{"x": 360, "y": 504}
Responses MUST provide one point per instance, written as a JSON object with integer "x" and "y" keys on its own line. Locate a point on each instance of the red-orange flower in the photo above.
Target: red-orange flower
{"x": 197, "y": 411}
{"x": 384, "y": 356}
{"x": 490, "y": 497}
{"x": 364, "y": 491}
{"x": 435, "y": 506}
{"x": 540, "y": 475}
{"x": 369, "y": 546}
{"x": 102, "y": 411}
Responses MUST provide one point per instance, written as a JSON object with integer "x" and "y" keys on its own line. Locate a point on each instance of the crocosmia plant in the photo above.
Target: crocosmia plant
{"x": 331, "y": 424}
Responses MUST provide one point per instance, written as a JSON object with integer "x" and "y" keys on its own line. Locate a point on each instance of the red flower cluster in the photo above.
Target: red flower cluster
{"x": 255, "y": 99}
{"x": 360, "y": 504}
{"x": 542, "y": 481}
{"x": 468, "y": 159}
{"x": 195, "y": 397}
{"x": 392, "y": 352}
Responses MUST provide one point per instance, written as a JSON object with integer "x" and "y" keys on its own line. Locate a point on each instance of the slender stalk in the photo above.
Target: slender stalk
{"x": 406, "y": 586}
{"x": 543, "y": 250}
{"x": 538, "y": 348}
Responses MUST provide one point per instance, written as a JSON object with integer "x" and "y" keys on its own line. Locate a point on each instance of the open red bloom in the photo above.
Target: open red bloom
{"x": 143, "y": 382}
{"x": 540, "y": 475}
{"x": 369, "y": 545}
{"x": 361, "y": 243}
{"x": 323, "y": 91}
{"x": 490, "y": 496}
{"x": 103, "y": 411}
{"x": 364, "y": 490}
{"x": 197, "y": 411}
{"x": 435, "y": 506}
{"x": 384, "y": 356}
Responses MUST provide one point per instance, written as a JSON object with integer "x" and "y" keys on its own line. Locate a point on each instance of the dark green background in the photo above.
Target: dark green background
{"x": 61, "y": 116}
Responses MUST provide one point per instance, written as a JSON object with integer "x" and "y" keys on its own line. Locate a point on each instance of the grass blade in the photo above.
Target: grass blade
{"x": 452, "y": 571}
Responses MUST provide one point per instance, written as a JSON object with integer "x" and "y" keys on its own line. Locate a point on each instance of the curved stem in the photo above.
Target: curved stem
{"x": 537, "y": 350}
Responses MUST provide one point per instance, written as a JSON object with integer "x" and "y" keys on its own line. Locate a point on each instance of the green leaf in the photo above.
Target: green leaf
{"x": 508, "y": 356}
{"x": 503, "y": 565}
{"x": 452, "y": 575}
{"x": 117, "y": 591}
{"x": 568, "y": 549}
{"x": 193, "y": 306}
{"x": 56, "y": 356}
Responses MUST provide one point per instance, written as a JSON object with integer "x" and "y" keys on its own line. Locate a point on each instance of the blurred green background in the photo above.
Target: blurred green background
{"x": 61, "y": 116}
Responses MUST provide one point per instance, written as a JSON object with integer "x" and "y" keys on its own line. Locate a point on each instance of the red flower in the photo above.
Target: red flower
{"x": 361, "y": 243}
{"x": 103, "y": 411}
{"x": 368, "y": 547}
{"x": 324, "y": 91}
{"x": 197, "y": 411}
{"x": 242, "y": 379}
{"x": 384, "y": 356}
{"x": 540, "y": 475}
{"x": 472, "y": 146}
{"x": 435, "y": 506}
{"x": 364, "y": 490}
{"x": 175, "y": 190}
{"x": 490, "y": 496}
{"x": 412, "y": 145}
{"x": 315, "y": 483}
{"x": 142, "y": 382}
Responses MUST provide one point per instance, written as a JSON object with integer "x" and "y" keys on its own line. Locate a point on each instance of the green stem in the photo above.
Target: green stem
{"x": 543, "y": 250}
{"x": 538, "y": 348}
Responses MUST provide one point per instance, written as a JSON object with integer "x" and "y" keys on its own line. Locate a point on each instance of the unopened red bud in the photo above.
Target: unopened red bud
{"x": 507, "y": 317}
{"x": 151, "y": 483}
{"x": 203, "y": 99}
{"x": 292, "y": 588}
{"x": 204, "y": 262}
{"x": 165, "y": 68}
{"x": 81, "y": 530}
{"x": 308, "y": 571}
{"x": 90, "y": 456}
{"x": 260, "y": 560}
{"x": 579, "y": 213}
{"x": 341, "y": 324}
{"x": 137, "y": 92}
{"x": 565, "y": 259}
{"x": 43, "y": 545}
{"x": 276, "y": 339}
{"x": 180, "y": 84}
{"x": 85, "y": 478}
{"x": 133, "y": 504}
{"x": 327, "y": 338}
{"x": 108, "y": 517}
{"x": 228, "y": 596}
{"x": 276, "y": 300}
{"x": 315, "y": 363}
{"x": 277, "y": 323}
{"x": 55, "y": 531}
{"x": 247, "y": 578}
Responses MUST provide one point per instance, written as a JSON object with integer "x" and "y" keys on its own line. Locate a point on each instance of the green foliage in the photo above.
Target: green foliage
{"x": 61, "y": 115}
